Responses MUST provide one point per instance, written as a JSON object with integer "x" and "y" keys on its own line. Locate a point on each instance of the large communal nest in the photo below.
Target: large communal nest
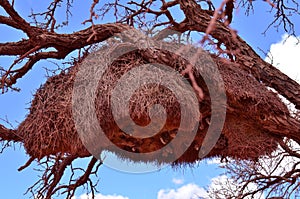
{"x": 251, "y": 108}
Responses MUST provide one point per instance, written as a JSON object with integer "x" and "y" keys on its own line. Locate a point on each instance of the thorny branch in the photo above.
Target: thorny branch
{"x": 275, "y": 175}
{"x": 50, "y": 22}
{"x": 54, "y": 169}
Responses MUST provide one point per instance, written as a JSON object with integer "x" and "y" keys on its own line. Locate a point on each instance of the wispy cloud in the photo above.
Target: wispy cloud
{"x": 100, "y": 196}
{"x": 190, "y": 191}
{"x": 178, "y": 181}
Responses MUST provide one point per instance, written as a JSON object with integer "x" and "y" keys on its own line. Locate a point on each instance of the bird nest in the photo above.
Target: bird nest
{"x": 49, "y": 128}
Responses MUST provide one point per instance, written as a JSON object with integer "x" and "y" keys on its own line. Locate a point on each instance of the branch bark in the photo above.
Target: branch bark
{"x": 196, "y": 20}
{"x": 63, "y": 43}
{"x": 9, "y": 135}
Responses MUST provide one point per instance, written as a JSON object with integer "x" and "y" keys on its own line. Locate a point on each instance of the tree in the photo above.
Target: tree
{"x": 256, "y": 122}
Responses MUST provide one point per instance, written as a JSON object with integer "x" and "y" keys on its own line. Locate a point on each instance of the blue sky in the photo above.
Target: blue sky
{"x": 134, "y": 186}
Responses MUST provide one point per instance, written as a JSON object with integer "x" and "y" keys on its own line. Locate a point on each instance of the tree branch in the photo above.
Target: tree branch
{"x": 9, "y": 135}
{"x": 63, "y": 43}
{"x": 22, "y": 24}
{"x": 261, "y": 70}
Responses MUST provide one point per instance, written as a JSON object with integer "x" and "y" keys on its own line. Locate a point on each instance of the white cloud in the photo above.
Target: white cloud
{"x": 218, "y": 161}
{"x": 215, "y": 160}
{"x": 223, "y": 187}
{"x": 285, "y": 55}
{"x": 277, "y": 164}
{"x": 178, "y": 181}
{"x": 189, "y": 191}
{"x": 280, "y": 162}
{"x": 100, "y": 196}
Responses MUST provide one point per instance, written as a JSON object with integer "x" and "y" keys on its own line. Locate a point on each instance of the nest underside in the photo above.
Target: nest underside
{"x": 49, "y": 127}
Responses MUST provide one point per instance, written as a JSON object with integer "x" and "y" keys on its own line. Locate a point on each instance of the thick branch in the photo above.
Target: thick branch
{"x": 72, "y": 41}
{"x": 9, "y": 135}
{"x": 16, "y": 48}
{"x": 63, "y": 43}
{"x": 8, "y": 21}
{"x": 21, "y": 23}
{"x": 197, "y": 20}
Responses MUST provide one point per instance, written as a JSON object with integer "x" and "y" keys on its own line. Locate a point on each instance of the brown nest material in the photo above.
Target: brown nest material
{"x": 249, "y": 130}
